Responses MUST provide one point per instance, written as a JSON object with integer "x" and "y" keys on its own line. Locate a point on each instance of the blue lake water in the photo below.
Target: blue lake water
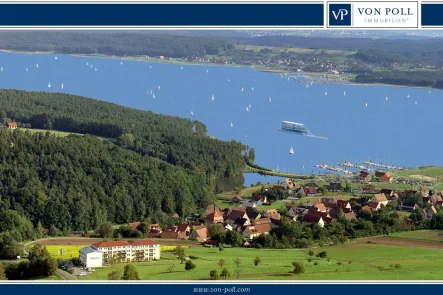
{"x": 396, "y": 131}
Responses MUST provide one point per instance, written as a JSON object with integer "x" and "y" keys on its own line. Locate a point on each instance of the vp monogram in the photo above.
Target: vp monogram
{"x": 341, "y": 13}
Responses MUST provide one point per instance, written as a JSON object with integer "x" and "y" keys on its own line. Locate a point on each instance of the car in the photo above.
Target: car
{"x": 82, "y": 274}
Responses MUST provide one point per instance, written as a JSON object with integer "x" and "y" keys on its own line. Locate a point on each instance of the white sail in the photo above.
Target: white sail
{"x": 252, "y": 88}
{"x": 232, "y": 125}
{"x": 344, "y": 93}
{"x": 242, "y": 89}
{"x": 62, "y": 86}
{"x": 270, "y": 99}
{"x": 36, "y": 66}
{"x": 49, "y": 85}
{"x": 96, "y": 69}
{"x": 213, "y": 98}
{"x": 56, "y": 57}
{"x": 387, "y": 99}
{"x": 181, "y": 68}
{"x": 87, "y": 63}
{"x": 158, "y": 87}
{"x": 228, "y": 80}
{"x": 121, "y": 63}
{"x": 192, "y": 113}
{"x": 247, "y": 109}
{"x": 1, "y": 69}
{"x": 26, "y": 69}
{"x": 307, "y": 86}
{"x": 291, "y": 151}
{"x": 415, "y": 102}
{"x": 326, "y": 93}
{"x": 366, "y": 104}
{"x": 153, "y": 95}
{"x": 408, "y": 96}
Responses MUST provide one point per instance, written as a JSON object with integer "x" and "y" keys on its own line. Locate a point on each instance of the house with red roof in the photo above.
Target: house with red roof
{"x": 12, "y": 125}
{"x": 134, "y": 225}
{"x": 313, "y": 219}
{"x": 214, "y": 218}
{"x": 380, "y": 198}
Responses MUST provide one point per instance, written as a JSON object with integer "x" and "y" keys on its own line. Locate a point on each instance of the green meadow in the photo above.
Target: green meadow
{"x": 345, "y": 262}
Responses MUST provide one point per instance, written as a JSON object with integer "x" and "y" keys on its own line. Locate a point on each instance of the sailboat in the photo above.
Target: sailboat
{"x": 307, "y": 86}
{"x": 150, "y": 92}
{"x": 91, "y": 66}
{"x": 181, "y": 68}
{"x": 247, "y": 109}
{"x": 56, "y": 58}
{"x": 252, "y": 88}
{"x": 121, "y": 63}
{"x": 232, "y": 125}
{"x": 87, "y": 63}
{"x": 1, "y": 69}
{"x": 326, "y": 93}
{"x": 408, "y": 96}
{"x": 150, "y": 67}
{"x": 96, "y": 69}
{"x": 62, "y": 86}
{"x": 192, "y": 113}
{"x": 291, "y": 151}
{"x": 153, "y": 95}
{"x": 242, "y": 89}
{"x": 415, "y": 102}
{"x": 344, "y": 93}
{"x": 26, "y": 69}
{"x": 270, "y": 99}
{"x": 158, "y": 87}
{"x": 49, "y": 85}
{"x": 213, "y": 98}
{"x": 366, "y": 104}
{"x": 36, "y": 66}
{"x": 228, "y": 80}
{"x": 387, "y": 98}
{"x": 207, "y": 71}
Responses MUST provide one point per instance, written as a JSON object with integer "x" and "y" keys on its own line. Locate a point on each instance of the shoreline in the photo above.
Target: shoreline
{"x": 175, "y": 62}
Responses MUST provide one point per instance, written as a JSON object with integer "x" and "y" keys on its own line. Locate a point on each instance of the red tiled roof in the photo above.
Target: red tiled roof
{"x": 373, "y": 205}
{"x": 106, "y": 244}
{"x": 134, "y": 225}
{"x": 311, "y": 218}
{"x": 12, "y": 124}
{"x": 380, "y": 197}
{"x": 182, "y": 227}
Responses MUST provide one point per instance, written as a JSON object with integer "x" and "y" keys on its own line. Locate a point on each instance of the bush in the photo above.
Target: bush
{"x": 316, "y": 263}
{"x": 193, "y": 257}
{"x": 71, "y": 271}
{"x": 323, "y": 254}
{"x": 339, "y": 263}
{"x": 311, "y": 253}
{"x": 299, "y": 268}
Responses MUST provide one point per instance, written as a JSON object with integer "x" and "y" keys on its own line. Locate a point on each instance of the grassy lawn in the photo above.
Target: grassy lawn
{"x": 429, "y": 171}
{"x": 424, "y": 235}
{"x": 347, "y": 262}
{"x": 51, "y": 278}
{"x": 56, "y": 133}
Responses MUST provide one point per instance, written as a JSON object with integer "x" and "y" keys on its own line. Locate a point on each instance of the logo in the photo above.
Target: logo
{"x": 340, "y": 15}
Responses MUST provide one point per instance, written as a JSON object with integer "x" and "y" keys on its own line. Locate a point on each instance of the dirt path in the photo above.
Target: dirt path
{"x": 400, "y": 242}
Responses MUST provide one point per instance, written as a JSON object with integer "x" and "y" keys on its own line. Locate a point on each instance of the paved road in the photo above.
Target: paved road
{"x": 65, "y": 275}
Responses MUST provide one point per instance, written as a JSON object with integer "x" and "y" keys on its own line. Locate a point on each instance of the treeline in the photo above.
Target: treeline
{"x": 80, "y": 182}
{"x": 406, "y": 78}
{"x": 113, "y": 43}
{"x": 423, "y": 50}
{"x": 379, "y": 57}
{"x": 178, "y": 141}
{"x": 294, "y": 235}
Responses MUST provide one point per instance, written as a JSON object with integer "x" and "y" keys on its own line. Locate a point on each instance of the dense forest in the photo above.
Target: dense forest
{"x": 407, "y": 78}
{"x": 80, "y": 182}
{"x": 113, "y": 43}
{"x": 167, "y": 138}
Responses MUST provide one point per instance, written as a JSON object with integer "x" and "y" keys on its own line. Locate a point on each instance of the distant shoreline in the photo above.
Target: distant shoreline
{"x": 175, "y": 62}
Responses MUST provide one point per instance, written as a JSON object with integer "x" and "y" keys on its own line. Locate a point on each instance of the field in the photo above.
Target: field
{"x": 433, "y": 172}
{"x": 378, "y": 260}
{"x": 424, "y": 235}
{"x": 64, "y": 251}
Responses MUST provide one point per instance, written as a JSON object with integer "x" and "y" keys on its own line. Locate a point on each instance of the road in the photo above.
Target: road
{"x": 65, "y": 275}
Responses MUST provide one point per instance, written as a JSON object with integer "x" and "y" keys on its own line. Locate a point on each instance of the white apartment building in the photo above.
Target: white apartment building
{"x": 123, "y": 251}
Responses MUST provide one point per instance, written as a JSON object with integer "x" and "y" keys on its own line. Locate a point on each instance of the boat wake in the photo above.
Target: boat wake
{"x": 308, "y": 135}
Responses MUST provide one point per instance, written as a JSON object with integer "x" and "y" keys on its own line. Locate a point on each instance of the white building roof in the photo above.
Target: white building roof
{"x": 89, "y": 250}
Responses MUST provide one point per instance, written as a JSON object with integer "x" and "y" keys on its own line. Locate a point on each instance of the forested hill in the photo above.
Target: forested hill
{"x": 80, "y": 182}
{"x": 113, "y": 43}
{"x": 170, "y": 139}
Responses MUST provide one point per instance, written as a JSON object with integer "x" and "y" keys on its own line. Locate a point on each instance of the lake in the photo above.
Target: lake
{"x": 403, "y": 131}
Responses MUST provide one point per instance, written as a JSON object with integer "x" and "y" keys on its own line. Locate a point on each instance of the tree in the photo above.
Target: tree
{"x": 2, "y": 272}
{"x": 322, "y": 254}
{"x": 225, "y": 273}
{"x": 311, "y": 253}
{"x": 114, "y": 276}
{"x": 189, "y": 265}
{"x": 106, "y": 231}
{"x": 171, "y": 267}
{"x": 220, "y": 248}
{"x": 233, "y": 238}
{"x": 299, "y": 268}
{"x": 214, "y": 229}
{"x": 221, "y": 262}
{"x": 144, "y": 227}
{"x": 257, "y": 261}
{"x": 213, "y": 274}
{"x": 237, "y": 273}
{"x": 180, "y": 252}
{"x": 130, "y": 273}
{"x": 237, "y": 261}
{"x": 322, "y": 190}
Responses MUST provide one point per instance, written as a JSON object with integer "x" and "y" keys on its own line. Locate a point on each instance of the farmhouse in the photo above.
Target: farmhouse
{"x": 309, "y": 219}
{"x": 12, "y": 125}
{"x": 380, "y": 198}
